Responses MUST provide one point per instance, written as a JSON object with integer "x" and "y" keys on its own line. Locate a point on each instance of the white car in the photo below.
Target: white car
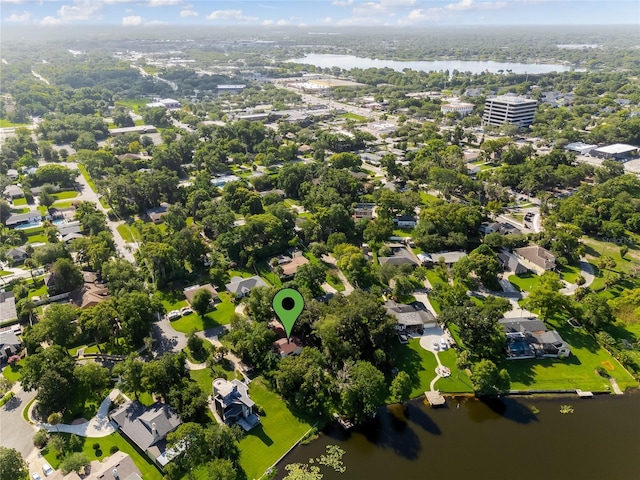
{"x": 36, "y": 476}
{"x": 443, "y": 344}
{"x": 174, "y": 315}
{"x": 46, "y": 468}
{"x": 186, "y": 311}
{"x": 436, "y": 346}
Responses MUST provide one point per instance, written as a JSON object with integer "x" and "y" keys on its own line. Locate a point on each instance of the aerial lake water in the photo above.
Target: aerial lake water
{"x": 350, "y": 61}
{"x": 493, "y": 440}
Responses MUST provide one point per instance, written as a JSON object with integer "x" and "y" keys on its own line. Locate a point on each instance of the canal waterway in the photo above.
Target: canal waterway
{"x": 351, "y": 61}
{"x": 516, "y": 437}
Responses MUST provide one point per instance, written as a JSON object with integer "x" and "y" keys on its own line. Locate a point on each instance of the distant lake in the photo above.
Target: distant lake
{"x": 495, "y": 439}
{"x": 351, "y": 61}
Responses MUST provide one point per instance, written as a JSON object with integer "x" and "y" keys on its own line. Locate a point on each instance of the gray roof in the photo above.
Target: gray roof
{"x": 137, "y": 422}
{"x": 523, "y": 325}
{"x": 449, "y": 257}
{"x": 401, "y": 256}
{"x": 537, "y": 255}
{"x": 23, "y": 217}
{"x": 409, "y": 315}
{"x": 240, "y": 285}
{"x": 8, "y": 338}
{"x": 17, "y": 252}
{"x": 511, "y": 263}
{"x": 7, "y": 306}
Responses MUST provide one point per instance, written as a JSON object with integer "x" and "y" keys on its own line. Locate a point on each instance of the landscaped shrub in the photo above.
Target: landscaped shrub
{"x": 113, "y": 449}
{"x": 96, "y": 446}
{"x": 75, "y": 443}
{"x": 602, "y": 372}
{"x": 41, "y": 438}
{"x": 260, "y": 410}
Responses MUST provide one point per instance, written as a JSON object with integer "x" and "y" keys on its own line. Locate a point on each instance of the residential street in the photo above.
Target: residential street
{"x": 15, "y": 432}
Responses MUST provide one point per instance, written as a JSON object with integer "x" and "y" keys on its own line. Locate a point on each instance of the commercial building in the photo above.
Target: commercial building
{"x": 168, "y": 103}
{"x": 617, "y": 151}
{"x": 461, "y": 109}
{"x": 509, "y": 109}
{"x": 580, "y": 147}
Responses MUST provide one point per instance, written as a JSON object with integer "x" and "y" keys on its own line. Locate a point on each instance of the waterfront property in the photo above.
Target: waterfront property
{"x": 147, "y": 428}
{"x": 410, "y": 318}
{"x": 233, "y": 404}
{"x": 530, "y": 338}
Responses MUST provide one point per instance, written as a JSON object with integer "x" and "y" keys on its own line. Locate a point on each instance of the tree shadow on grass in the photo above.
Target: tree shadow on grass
{"x": 261, "y": 434}
{"x": 407, "y": 360}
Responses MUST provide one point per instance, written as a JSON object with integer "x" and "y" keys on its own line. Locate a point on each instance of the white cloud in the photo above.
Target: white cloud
{"x": 383, "y": 7}
{"x": 439, "y": 13}
{"x": 80, "y": 10}
{"x": 230, "y": 15}
{"x": 188, "y": 13}
{"x": 164, "y": 3}
{"x": 327, "y": 20}
{"x": 23, "y": 17}
{"x": 268, "y": 22}
{"x": 282, "y": 21}
{"x": 14, "y": 2}
{"x": 342, "y": 3}
{"x": 132, "y": 21}
{"x": 156, "y": 23}
{"x": 472, "y": 5}
{"x": 49, "y": 20}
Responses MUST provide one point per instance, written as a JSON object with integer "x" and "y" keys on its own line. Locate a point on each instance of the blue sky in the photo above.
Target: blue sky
{"x": 140, "y": 13}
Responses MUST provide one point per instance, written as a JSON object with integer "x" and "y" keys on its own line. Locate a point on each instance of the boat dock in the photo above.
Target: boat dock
{"x": 582, "y": 394}
{"x": 434, "y": 398}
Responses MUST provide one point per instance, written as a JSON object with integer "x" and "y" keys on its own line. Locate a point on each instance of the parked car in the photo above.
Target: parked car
{"x": 46, "y": 468}
{"x": 174, "y": 315}
{"x": 443, "y": 344}
{"x": 36, "y": 476}
{"x": 186, "y": 311}
{"x": 436, "y": 345}
{"x": 402, "y": 338}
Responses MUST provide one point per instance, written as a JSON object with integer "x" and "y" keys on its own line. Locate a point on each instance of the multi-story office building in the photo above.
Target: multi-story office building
{"x": 509, "y": 109}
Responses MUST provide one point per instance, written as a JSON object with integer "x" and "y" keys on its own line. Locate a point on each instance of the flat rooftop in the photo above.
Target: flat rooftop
{"x": 617, "y": 148}
{"x": 512, "y": 99}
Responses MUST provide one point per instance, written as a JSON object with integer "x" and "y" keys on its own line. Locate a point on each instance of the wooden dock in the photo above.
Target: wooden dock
{"x": 434, "y": 398}
{"x": 582, "y": 394}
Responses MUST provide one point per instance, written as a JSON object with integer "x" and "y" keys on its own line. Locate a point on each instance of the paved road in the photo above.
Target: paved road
{"x": 15, "y": 432}
{"x": 586, "y": 270}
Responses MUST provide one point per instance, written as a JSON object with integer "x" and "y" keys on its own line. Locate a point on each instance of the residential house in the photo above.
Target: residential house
{"x": 68, "y": 228}
{"x": 7, "y": 307}
{"x": 400, "y": 255}
{"x": 17, "y": 255}
{"x": 364, "y": 210}
{"x": 10, "y": 345}
{"x": 288, "y": 263}
{"x": 405, "y": 221}
{"x": 118, "y": 466}
{"x": 410, "y": 318}
{"x": 536, "y": 258}
{"x": 233, "y": 404}
{"x": 16, "y": 220}
{"x": 11, "y": 192}
{"x": 449, "y": 258}
{"x": 241, "y": 287}
{"x": 503, "y": 228}
{"x": 147, "y": 427}
{"x": 510, "y": 263}
{"x": 12, "y": 173}
{"x": 190, "y": 292}
{"x": 90, "y": 293}
{"x": 530, "y": 338}
{"x": 156, "y": 214}
{"x": 286, "y": 347}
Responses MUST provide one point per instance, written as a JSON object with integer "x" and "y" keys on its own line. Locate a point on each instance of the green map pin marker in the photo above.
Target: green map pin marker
{"x": 288, "y": 304}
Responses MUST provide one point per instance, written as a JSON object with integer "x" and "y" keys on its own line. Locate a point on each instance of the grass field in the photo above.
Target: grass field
{"x": 569, "y": 273}
{"x": 577, "y": 371}
{"x": 279, "y": 430}
{"x": 4, "y": 273}
{"x": 221, "y": 315}
{"x": 353, "y": 116}
{"x": 128, "y": 232}
{"x": 421, "y": 364}
{"x": 132, "y": 103}
{"x": 148, "y": 470}
{"x": 18, "y": 202}
{"x": 427, "y": 198}
{"x": 20, "y": 210}
{"x": 65, "y": 195}
{"x": 4, "y": 123}
{"x": 596, "y": 249}
{"x": 525, "y": 282}
{"x": 12, "y": 372}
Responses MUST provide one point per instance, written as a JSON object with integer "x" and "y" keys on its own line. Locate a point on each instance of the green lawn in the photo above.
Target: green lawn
{"x": 133, "y": 103}
{"x": 18, "y": 202}
{"x": 570, "y": 273}
{"x": 221, "y": 315}
{"x": 278, "y": 432}
{"x": 40, "y": 291}
{"x": 421, "y": 365}
{"x": 332, "y": 279}
{"x": 353, "y": 116}
{"x": 12, "y": 372}
{"x": 4, "y": 273}
{"x": 128, "y": 232}
{"x": 38, "y": 239}
{"x": 20, "y": 210}
{"x": 427, "y": 198}
{"x": 4, "y": 123}
{"x": 525, "y": 282}
{"x": 148, "y": 470}
{"x": 403, "y": 232}
{"x": 577, "y": 371}
{"x": 596, "y": 249}
{"x": 63, "y": 203}
{"x": 65, "y": 195}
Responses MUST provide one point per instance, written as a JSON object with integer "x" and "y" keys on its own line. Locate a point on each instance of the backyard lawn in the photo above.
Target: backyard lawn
{"x": 569, "y": 273}
{"x": 596, "y": 249}
{"x": 278, "y": 432}
{"x": 221, "y": 315}
{"x": 427, "y": 198}
{"x": 421, "y": 365}
{"x": 65, "y": 195}
{"x": 12, "y": 372}
{"x": 576, "y": 371}
{"x": 148, "y": 470}
{"x": 17, "y": 202}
